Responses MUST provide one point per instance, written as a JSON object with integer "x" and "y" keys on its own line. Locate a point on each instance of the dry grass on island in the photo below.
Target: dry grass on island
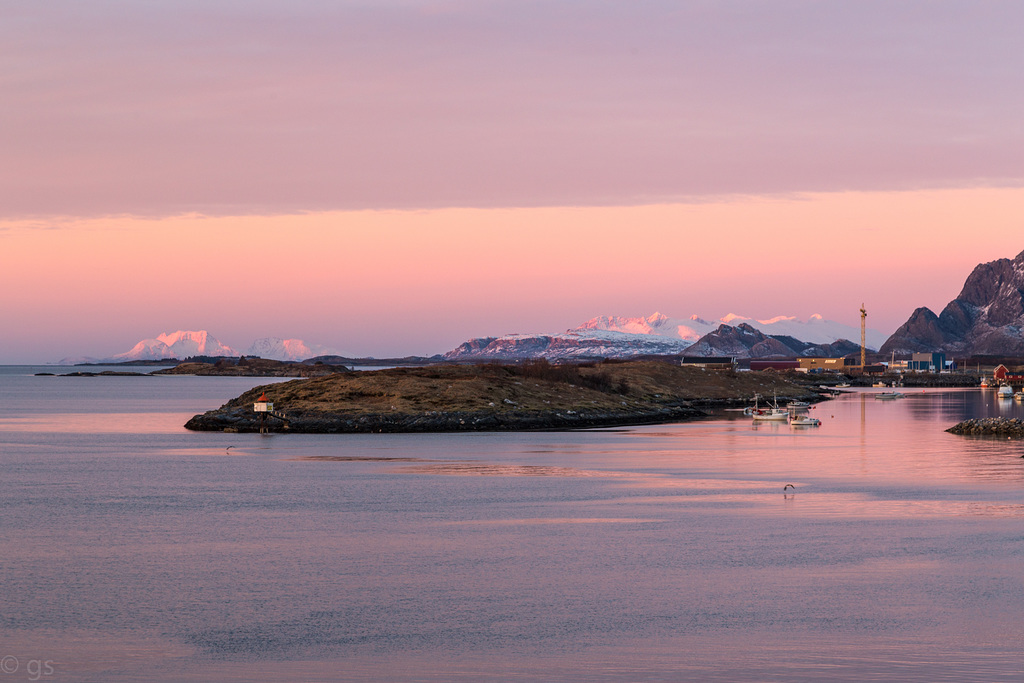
{"x": 252, "y": 367}
{"x": 487, "y": 397}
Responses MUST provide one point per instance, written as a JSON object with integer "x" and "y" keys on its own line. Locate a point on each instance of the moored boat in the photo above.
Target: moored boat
{"x": 772, "y": 413}
{"x": 805, "y": 421}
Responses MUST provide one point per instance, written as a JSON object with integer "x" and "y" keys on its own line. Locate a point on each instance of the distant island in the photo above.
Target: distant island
{"x": 244, "y": 366}
{"x": 252, "y": 367}
{"x": 493, "y": 397}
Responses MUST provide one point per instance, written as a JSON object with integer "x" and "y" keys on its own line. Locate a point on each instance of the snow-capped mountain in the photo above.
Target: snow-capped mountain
{"x": 180, "y": 344}
{"x": 188, "y": 343}
{"x": 572, "y": 344}
{"x": 691, "y": 329}
{"x": 816, "y": 330}
{"x": 286, "y": 349}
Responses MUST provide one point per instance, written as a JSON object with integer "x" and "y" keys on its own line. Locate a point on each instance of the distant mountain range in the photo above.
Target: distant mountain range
{"x": 657, "y": 334}
{"x": 600, "y": 337}
{"x": 745, "y": 341}
{"x": 180, "y": 344}
{"x": 816, "y": 330}
{"x": 188, "y": 343}
{"x": 986, "y": 318}
{"x": 569, "y": 345}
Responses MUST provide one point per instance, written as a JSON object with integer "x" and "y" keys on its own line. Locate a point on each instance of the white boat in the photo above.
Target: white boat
{"x": 797, "y": 408}
{"x": 888, "y": 395}
{"x": 805, "y": 421}
{"x": 1019, "y": 396}
{"x": 843, "y": 385}
{"x": 1005, "y": 391}
{"x": 772, "y": 413}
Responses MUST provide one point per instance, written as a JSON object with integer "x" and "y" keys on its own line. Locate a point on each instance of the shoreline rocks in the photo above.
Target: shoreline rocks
{"x": 242, "y": 420}
{"x": 989, "y": 426}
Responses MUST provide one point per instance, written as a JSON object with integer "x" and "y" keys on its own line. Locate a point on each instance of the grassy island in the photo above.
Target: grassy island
{"x": 492, "y": 397}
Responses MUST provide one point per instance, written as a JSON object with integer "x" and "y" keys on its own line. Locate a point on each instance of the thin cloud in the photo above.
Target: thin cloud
{"x": 230, "y": 108}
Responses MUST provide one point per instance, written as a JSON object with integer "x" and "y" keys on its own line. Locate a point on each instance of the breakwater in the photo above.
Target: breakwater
{"x": 990, "y": 426}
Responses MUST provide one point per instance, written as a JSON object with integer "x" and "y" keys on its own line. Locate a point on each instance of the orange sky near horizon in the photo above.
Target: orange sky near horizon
{"x": 388, "y": 283}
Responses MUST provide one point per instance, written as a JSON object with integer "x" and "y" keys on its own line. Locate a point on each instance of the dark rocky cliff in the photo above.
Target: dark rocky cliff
{"x": 987, "y": 317}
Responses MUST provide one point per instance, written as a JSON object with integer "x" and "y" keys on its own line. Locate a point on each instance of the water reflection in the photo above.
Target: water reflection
{"x": 875, "y": 547}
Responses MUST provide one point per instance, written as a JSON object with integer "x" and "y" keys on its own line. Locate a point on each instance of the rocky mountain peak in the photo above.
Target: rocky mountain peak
{"x": 985, "y": 318}
{"x": 746, "y": 341}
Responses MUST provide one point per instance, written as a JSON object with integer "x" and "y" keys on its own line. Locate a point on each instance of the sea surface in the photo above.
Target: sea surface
{"x": 134, "y": 550}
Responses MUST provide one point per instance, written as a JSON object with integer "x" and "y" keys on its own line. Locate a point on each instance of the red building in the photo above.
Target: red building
{"x": 777, "y": 364}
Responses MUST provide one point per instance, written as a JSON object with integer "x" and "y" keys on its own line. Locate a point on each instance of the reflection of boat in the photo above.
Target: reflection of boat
{"x": 773, "y": 413}
{"x": 805, "y": 421}
{"x": 888, "y": 395}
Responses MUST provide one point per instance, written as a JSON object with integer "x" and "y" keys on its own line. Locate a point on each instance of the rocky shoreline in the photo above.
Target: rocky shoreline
{"x": 495, "y": 397}
{"x": 244, "y": 420}
{"x": 989, "y": 426}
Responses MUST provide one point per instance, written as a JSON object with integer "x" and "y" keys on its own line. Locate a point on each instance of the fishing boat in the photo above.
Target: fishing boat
{"x": 773, "y": 413}
{"x": 888, "y": 395}
{"x": 805, "y": 421}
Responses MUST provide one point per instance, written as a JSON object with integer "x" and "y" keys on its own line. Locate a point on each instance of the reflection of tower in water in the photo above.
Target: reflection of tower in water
{"x": 863, "y": 434}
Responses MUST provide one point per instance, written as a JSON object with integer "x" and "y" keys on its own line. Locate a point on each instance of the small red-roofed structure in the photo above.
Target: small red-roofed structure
{"x": 262, "y": 405}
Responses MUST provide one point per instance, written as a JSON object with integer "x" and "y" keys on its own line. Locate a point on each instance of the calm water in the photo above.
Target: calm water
{"x": 134, "y": 550}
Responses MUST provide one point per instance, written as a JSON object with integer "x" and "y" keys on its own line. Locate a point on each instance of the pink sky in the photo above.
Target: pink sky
{"x": 395, "y": 177}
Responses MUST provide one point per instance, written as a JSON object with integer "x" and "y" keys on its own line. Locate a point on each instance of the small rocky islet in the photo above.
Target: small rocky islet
{"x": 989, "y": 426}
{"x": 493, "y": 397}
